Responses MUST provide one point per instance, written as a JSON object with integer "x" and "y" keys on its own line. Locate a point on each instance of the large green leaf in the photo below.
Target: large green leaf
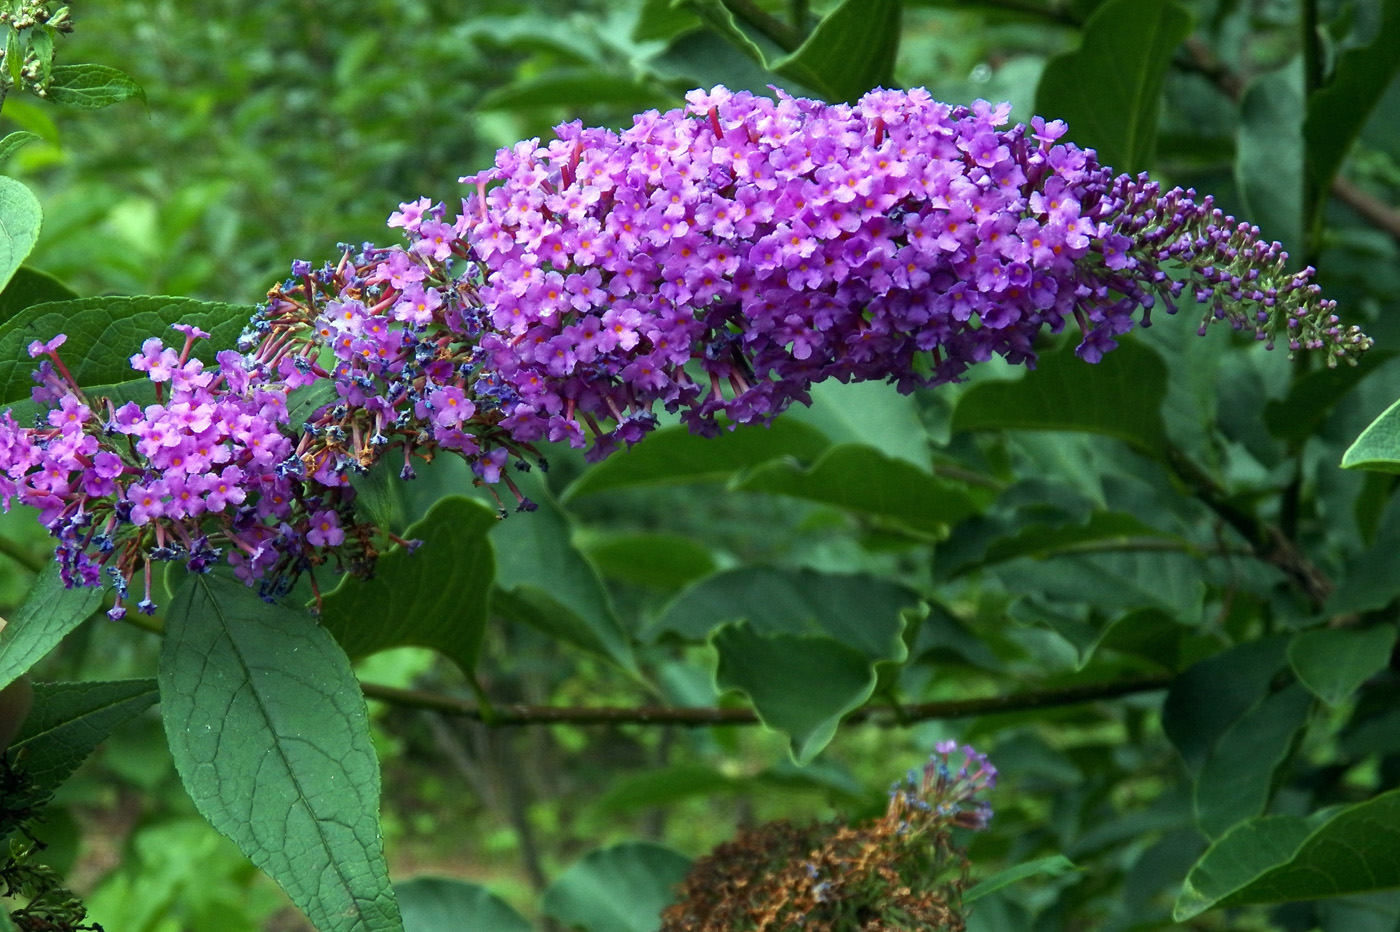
{"x": 104, "y": 333}
{"x": 851, "y": 51}
{"x": 48, "y": 613}
{"x": 675, "y": 455}
{"x": 270, "y": 736}
{"x": 870, "y": 413}
{"x": 662, "y": 561}
{"x": 1333, "y": 662}
{"x": 862, "y": 479}
{"x": 69, "y": 720}
{"x": 436, "y": 597}
{"x": 1121, "y": 396}
{"x": 800, "y": 685}
{"x": 1108, "y": 89}
{"x": 440, "y": 904}
{"x": 1209, "y": 698}
{"x": 1269, "y": 154}
{"x": 20, "y": 219}
{"x": 623, "y": 888}
{"x": 1338, "y": 111}
{"x": 91, "y": 87}
{"x": 1378, "y": 447}
{"x": 1275, "y": 859}
{"x": 1239, "y": 777}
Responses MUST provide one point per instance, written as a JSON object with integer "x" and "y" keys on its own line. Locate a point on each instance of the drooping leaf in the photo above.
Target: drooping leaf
{"x": 435, "y": 597}
{"x": 1333, "y": 662}
{"x": 800, "y": 684}
{"x": 29, "y": 287}
{"x": 1238, "y": 778}
{"x": 1108, "y": 90}
{"x": 1378, "y": 447}
{"x": 270, "y": 737}
{"x": 91, "y": 87}
{"x": 20, "y": 219}
{"x": 48, "y": 613}
{"x": 441, "y": 904}
{"x": 104, "y": 333}
{"x": 1338, "y": 111}
{"x": 1056, "y": 865}
{"x": 862, "y": 479}
{"x": 69, "y": 720}
{"x": 675, "y": 455}
{"x": 1121, "y": 396}
{"x": 623, "y": 888}
{"x": 1279, "y": 859}
{"x": 851, "y": 51}
{"x": 543, "y": 580}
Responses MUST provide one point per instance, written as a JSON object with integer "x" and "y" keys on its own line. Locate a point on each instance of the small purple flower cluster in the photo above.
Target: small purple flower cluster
{"x": 945, "y": 792}
{"x": 715, "y": 262}
{"x": 207, "y": 469}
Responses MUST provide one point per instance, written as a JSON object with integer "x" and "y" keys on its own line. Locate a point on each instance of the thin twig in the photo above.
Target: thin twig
{"x": 699, "y": 717}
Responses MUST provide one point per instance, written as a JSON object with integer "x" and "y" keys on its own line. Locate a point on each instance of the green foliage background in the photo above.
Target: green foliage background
{"x": 1174, "y": 519}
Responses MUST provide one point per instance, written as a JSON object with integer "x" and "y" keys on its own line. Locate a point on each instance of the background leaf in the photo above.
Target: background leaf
{"x": 20, "y": 219}
{"x": 850, "y": 51}
{"x": 269, "y": 732}
{"x": 48, "y": 613}
{"x": 618, "y": 889}
{"x": 91, "y": 87}
{"x": 1333, "y": 662}
{"x": 440, "y": 904}
{"x": 28, "y": 287}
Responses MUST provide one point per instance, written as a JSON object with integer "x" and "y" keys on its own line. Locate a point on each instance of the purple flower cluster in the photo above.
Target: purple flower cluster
{"x": 714, "y": 262}
{"x": 946, "y": 790}
{"x": 208, "y": 468}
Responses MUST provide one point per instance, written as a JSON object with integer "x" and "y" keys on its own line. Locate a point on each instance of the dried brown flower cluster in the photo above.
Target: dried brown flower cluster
{"x": 898, "y": 873}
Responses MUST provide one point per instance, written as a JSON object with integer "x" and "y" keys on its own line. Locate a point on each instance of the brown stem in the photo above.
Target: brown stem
{"x": 698, "y": 717}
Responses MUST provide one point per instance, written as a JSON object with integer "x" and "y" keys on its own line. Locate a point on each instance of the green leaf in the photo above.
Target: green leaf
{"x": 1279, "y": 859}
{"x": 868, "y": 413}
{"x": 800, "y": 685}
{"x": 1378, "y": 447}
{"x": 1108, "y": 89}
{"x": 1205, "y": 701}
{"x": 1338, "y": 111}
{"x": 104, "y": 333}
{"x": 851, "y": 51}
{"x": 1056, "y": 865}
{"x": 1238, "y": 778}
{"x": 29, "y": 287}
{"x": 864, "y": 480}
{"x": 543, "y": 580}
{"x": 91, "y": 87}
{"x": 667, "y": 786}
{"x": 659, "y": 20}
{"x": 69, "y": 720}
{"x": 717, "y": 16}
{"x": 572, "y": 88}
{"x": 48, "y": 613}
{"x": 20, "y": 220}
{"x": 1121, "y": 396}
{"x": 623, "y": 888}
{"x": 435, "y": 597}
{"x": 1333, "y": 662}
{"x": 861, "y": 611}
{"x": 270, "y": 736}
{"x": 661, "y": 561}
{"x": 674, "y": 455}
{"x": 1269, "y": 153}
{"x": 15, "y": 141}
{"x": 1311, "y": 398}
{"x": 440, "y": 904}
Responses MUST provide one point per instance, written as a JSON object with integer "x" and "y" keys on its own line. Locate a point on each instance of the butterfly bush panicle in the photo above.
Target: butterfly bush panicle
{"x": 713, "y": 262}
{"x": 899, "y": 873}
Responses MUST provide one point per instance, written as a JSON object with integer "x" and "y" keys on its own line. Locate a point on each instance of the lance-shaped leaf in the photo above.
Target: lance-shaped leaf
{"x": 1276, "y": 859}
{"x": 270, "y": 736}
{"x": 1108, "y": 89}
{"x": 91, "y": 87}
{"x": 435, "y": 597}
{"x": 617, "y": 889}
{"x": 48, "y": 613}
{"x": 104, "y": 333}
{"x": 20, "y": 218}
